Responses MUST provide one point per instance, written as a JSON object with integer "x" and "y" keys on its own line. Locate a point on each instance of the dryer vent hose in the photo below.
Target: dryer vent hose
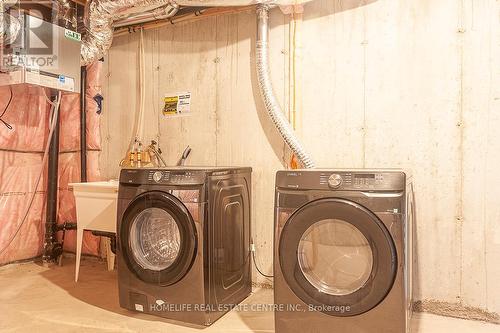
{"x": 267, "y": 91}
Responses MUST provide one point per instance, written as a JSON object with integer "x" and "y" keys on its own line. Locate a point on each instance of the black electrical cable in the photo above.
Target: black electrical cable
{"x": 9, "y": 126}
{"x": 257, "y": 267}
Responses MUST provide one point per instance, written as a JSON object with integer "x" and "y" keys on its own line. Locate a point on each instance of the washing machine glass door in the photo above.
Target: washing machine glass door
{"x": 158, "y": 238}
{"x": 155, "y": 239}
{"x": 338, "y": 257}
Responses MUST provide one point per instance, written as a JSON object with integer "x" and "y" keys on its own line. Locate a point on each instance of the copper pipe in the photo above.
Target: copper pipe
{"x": 194, "y": 16}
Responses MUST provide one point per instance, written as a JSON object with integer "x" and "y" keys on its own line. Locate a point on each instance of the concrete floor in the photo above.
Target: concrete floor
{"x": 91, "y": 305}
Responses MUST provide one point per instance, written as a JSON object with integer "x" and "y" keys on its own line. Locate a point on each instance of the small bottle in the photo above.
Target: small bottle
{"x": 139, "y": 155}
{"x": 132, "y": 157}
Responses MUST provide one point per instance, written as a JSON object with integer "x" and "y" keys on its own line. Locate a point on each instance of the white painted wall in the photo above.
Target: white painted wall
{"x": 407, "y": 83}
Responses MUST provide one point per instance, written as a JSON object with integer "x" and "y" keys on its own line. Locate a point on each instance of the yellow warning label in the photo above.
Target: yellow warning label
{"x": 171, "y": 103}
{"x": 177, "y": 104}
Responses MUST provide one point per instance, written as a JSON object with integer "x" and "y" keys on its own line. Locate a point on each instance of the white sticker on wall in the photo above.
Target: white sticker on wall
{"x": 139, "y": 307}
{"x": 177, "y": 104}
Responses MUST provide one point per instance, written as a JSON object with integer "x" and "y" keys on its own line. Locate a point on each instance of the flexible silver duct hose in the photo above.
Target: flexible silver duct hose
{"x": 100, "y": 15}
{"x": 9, "y": 25}
{"x": 6, "y": 4}
{"x": 66, "y": 11}
{"x": 267, "y": 91}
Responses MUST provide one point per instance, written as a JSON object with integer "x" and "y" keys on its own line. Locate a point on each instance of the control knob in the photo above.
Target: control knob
{"x": 157, "y": 176}
{"x": 335, "y": 180}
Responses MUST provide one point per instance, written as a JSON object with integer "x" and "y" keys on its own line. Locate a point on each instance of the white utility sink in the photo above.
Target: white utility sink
{"x": 96, "y": 205}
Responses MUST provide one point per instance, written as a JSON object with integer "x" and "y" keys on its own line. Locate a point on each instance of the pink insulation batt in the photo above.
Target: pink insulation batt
{"x": 21, "y": 152}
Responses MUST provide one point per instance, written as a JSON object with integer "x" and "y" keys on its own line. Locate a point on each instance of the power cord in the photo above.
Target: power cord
{"x": 9, "y": 126}
{"x": 252, "y": 249}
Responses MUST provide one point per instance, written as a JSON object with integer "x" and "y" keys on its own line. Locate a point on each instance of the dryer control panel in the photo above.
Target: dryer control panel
{"x": 362, "y": 180}
{"x": 163, "y": 177}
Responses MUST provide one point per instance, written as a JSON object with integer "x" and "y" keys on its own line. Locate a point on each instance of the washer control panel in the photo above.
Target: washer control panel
{"x": 341, "y": 180}
{"x": 175, "y": 177}
{"x": 163, "y": 177}
{"x": 368, "y": 180}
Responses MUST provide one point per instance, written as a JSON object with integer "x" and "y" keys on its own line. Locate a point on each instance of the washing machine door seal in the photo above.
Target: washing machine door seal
{"x": 337, "y": 257}
{"x": 158, "y": 238}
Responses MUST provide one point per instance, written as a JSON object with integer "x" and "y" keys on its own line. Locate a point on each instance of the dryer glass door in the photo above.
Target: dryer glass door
{"x": 337, "y": 256}
{"x": 158, "y": 238}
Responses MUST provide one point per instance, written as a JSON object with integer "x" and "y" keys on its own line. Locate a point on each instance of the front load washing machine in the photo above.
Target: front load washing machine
{"x": 342, "y": 259}
{"x": 183, "y": 241}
